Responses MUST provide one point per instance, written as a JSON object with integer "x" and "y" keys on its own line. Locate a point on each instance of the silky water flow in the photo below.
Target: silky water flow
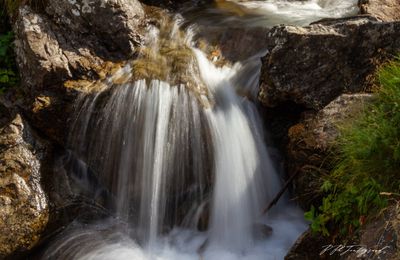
{"x": 183, "y": 162}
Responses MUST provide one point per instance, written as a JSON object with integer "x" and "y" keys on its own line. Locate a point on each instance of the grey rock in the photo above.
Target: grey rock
{"x": 115, "y": 23}
{"x": 379, "y": 239}
{"x": 313, "y": 65}
{"x": 70, "y": 41}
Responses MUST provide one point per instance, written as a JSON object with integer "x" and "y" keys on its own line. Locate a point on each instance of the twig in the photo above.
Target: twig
{"x": 281, "y": 192}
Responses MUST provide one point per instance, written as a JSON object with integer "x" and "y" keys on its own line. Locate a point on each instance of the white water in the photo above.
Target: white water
{"x": 152, "y": 130}
{"x": 156, "y": 147}
{"x": 245, "y": 179}
{"x": 268, "y": 13}
{"x": 301, "y": 12}
{"x": 160, "y": 125}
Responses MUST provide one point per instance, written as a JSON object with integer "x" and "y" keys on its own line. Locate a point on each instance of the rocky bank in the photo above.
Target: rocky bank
{"x": 66, "y": 46}
{"x": 328, "y": 69}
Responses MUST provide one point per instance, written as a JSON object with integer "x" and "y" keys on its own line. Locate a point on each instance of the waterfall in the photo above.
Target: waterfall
{"x": 178, "y": 146}
{"x": 244, "y": 177}
{"x": 170, "y": 154}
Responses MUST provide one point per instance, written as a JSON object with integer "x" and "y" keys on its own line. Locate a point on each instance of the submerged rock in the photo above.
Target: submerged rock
{"x": 313, "y": 65}
{"x": 311, "y": 140}
{"x": 262, "y": 231}
{"x": 23, "y": 203}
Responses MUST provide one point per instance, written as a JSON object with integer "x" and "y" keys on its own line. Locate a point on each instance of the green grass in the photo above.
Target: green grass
{"x": 9, "y": 76}
{"x": 366, "y": 162}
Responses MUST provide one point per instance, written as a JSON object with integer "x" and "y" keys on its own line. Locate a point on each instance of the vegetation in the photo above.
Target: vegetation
{"x": 11, "y": 6}
{"x": 8, "y": 69}
{"x": 366, "y": 162}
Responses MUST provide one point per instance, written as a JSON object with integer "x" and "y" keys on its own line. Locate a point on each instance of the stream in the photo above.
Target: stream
{"x": 178, "y": 145}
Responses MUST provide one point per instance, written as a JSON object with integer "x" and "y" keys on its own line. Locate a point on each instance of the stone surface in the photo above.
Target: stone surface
{"x": 232, "y": 44}
{"x": 307, "y": 247}
{"x": 313, "y": 65}
{"x": 69, "y": 40}
{"x": 23, "y": 203}
{"x": 311, "y": 140}
{"x": 174, "y": 4}
{"x": 380, "y": 239}
{"x": 384, "y": 10}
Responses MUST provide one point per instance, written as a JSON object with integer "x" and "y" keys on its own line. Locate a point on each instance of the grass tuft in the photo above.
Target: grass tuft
{"x": 366, "y": 162}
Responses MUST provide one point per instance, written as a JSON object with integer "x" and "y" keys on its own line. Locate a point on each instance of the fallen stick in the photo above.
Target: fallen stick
{"x": 281, "y": 192}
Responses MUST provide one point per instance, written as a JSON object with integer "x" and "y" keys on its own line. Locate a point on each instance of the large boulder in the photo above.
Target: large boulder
{"x": 384, "y": 10}
{"x": 313, "y": 65}
{"x": 68, "y": 40}
{"x": 310, "y": 142}
{"x": 23, "y": 203}
{"x": 380, "y": 239}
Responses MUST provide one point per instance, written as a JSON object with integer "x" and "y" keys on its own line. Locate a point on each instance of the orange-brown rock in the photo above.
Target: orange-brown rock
{"x": 384, "y": 10}
{"x": 23, "y": 203}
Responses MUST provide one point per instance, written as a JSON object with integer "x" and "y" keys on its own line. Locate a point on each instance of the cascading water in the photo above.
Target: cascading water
{"x": 244, "y": 176}
{"x": 172, "y": 155}
{"x": 270, "y": 12}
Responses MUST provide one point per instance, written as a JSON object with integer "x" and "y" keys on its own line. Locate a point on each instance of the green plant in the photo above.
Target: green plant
{"x": 8, "y": 71}
{"x": 366, "y": 161}
{"x": 10, "y": 7}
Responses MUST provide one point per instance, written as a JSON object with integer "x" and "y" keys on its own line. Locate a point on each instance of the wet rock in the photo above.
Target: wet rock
{"x": 232, "y": 44}
{"x": 67, "y": 41}
{"x": 313, "y": 65}
{"x": 307, "y": 247}
{"x": 23, "y": 203}
{"x": 384, "y": 10}
{"x": 175, "y": 4}
{"x": 311, "y": 140}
